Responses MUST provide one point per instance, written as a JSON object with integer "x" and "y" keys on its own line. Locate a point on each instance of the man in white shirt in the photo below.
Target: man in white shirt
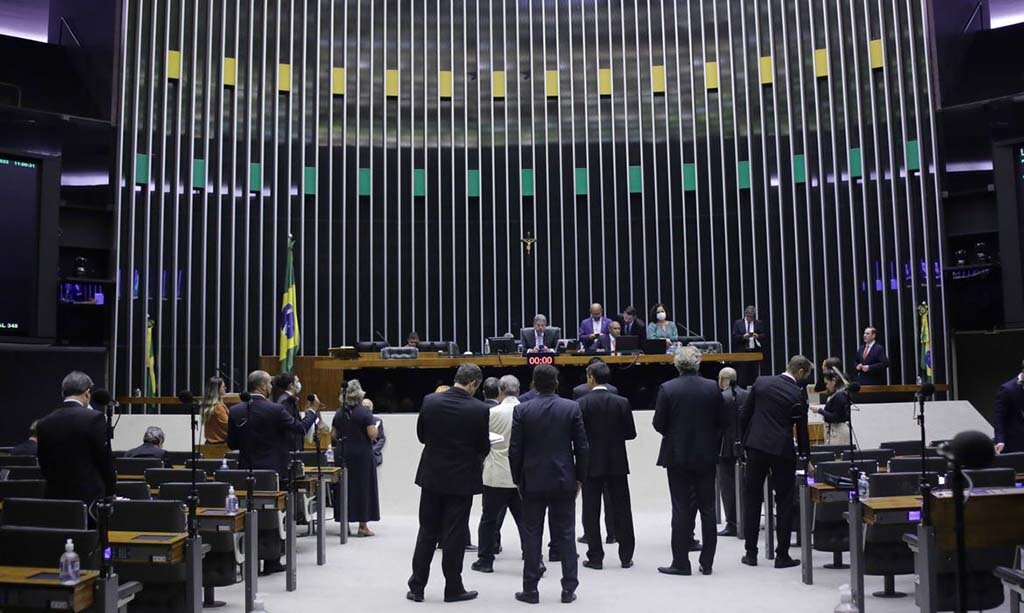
{"x": 500, "y": 493}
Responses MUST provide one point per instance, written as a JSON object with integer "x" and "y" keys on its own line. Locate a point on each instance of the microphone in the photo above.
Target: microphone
{"x": 185, "y": 397}
{"x": 970, "y": 449}
{"x": 101, "y": 397}
{"x": 311, "y": 398}
{"x": 245, "y": 397}
{"x": 381, "y": 337}
{"x": 927, "y": 390}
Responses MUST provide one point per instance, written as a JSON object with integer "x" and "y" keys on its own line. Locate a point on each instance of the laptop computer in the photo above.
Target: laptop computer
{"x": 627, "y": 344}
{"x": 654, "y": 346}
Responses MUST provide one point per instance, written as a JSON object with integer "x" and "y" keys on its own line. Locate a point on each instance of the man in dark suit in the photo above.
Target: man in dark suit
{"x": 734, "y": 396}
{"x": 489, "y": 389}
{"x": 690, "y": 415}
{"x": 453, "y": 427}
{"x": 29, "y": 446}
{"x": 578, "y": 392}
{"x": 631, "y": 326}
{"x": 152, "y": 446}
{"x": 74, "y": 456}
{"x": 539, "y": 338}
{"x": 749, "y": 335}
{"x": 1008, "y": 415}
{"x": 871, "y": 362}
{"x": 548, "y": 458}
{"x": 608, "y": 421}
{"x": 773, "y": 406}
{"x": 607, "y": 341}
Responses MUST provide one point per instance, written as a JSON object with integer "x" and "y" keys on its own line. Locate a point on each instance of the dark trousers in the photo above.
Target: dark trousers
{"x": 780, "y": 469}
{"x": 496, "y": 501}
{"x": 727, "y": 487}
{"x": 615, "y": 488}
{"x": 691, "y": 487}
{"x": 443, "y": 519}
{"x": 562, "y": 526}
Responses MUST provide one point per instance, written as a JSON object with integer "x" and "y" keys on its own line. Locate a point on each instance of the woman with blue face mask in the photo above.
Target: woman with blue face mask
{"x": 661, "y": 326}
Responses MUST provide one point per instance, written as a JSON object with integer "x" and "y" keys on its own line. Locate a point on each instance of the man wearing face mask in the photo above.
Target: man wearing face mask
{"x": 287, "y": 388}
{"x": 454, "y": 429}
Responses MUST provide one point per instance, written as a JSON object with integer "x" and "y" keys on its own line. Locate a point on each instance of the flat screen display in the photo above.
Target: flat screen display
{"x": 19, "y": 249}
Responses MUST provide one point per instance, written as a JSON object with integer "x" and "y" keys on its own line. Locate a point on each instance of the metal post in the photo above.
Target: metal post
{"x": 718, "y": 502}
{"x": 806, "y": 517}
{"x": 924, "y": 567}
{"x": 321, "y": 520}
{"x": 856, "y": 520}
{"x": 769, "y": 520}
{"x": 251, "y": 567}
{"x": 194, "y": 574}
{"x": 289, "y": 543}
{"x": 741, "y": 473}
{"x": 341, "y": 504}
{"x": 106, "y": 594}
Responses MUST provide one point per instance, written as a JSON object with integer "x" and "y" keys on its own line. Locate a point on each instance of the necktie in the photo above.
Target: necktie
{"x": 867, "y": 349}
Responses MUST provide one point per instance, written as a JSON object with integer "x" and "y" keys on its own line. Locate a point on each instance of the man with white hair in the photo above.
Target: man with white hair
{"x": 152, "y": 445}
{"x": 540, "y": 337}
{"x": 690, "y": 415}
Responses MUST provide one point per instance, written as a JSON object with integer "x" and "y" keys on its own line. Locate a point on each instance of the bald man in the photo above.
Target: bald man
{"x": 593, "y": 327}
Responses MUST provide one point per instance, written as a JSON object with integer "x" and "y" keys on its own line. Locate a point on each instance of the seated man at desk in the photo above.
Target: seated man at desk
{"x": 152, "y": 446}
{"x": 607, "y": 341}
{"x": 539, "y": 338}
{"x": 594, "y": 327}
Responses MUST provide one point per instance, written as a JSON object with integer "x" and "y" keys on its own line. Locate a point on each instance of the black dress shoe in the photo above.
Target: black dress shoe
{"x": 528, "y": 597}
{"x": 611, "y": 540}
{"x": 568, "y": 597}
{"x": 705, "y": 571}
{"x": 270, "y": 568}
{"x": 594, "y": 565}
{"x": 696, "y": 546}
{"x": 464, "y": 596}
{"x": 727, "y": 531}
{"x": 786, "y": 562}
{"x": 471, "y": 547}
{"x": 482, "y": 567}
{"x": 414, "y": 596}
{"x": 627, "y": 564}
{"x": 750, "y": 559}
{"x": 497, "y": 550}
{"x": 672, "y": 570}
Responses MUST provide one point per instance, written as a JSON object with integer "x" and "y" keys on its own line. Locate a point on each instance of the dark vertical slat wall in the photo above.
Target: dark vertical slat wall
{"x": 703, "y": 154}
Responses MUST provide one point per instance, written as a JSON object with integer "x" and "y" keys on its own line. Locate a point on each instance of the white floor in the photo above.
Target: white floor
{"x": 370, "y": 574}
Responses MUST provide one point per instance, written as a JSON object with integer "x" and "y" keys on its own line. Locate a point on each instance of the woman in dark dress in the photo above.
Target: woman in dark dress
{"x": 354, "y": 430}
{"x": 837, "y": 410}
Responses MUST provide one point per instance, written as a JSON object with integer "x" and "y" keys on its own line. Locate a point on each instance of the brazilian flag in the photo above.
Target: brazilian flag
{"x": 289, "y": 340}
{"x": 925, "y": 343}
{"x": 151, "y": 387}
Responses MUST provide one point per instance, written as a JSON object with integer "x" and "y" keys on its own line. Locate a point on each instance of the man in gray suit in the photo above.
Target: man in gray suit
{"x": 539, "y": 337}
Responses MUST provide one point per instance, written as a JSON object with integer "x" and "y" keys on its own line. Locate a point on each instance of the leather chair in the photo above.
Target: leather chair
{"x": 18, "y": 460}
{"x": 232, "y": 455}
{"x": 23, "y": 473}
{"x": 817, "y": 457}
{"x": 155, "y": 477}
{"x": 836, "y": 450}
{"x": 44, "y": 513}
{"x": 177, "y": 458}
{"x": 831, "y": 532}
{"x": 986, "y": 477}
{"x": 29, "y": 488}
{"x": 132, "y": 490}
{"x": 271, "y": 523}
{"x": 885, "y": 553}
{"x": 136, "y": 467}
{"x": 42, "y": 547}
{"x": 165, "y": 585}
{"x": 220, "y": 565}
{"x": 212, "y": 465}
{"x": 911, "y": 447}
{"x": 1010, "y": 460}
{"x": 937, "y": 465}
{"x": 882, "y": 456}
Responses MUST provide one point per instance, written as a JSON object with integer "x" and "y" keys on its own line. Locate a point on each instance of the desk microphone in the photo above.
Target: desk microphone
{"x": 381, "y": 337}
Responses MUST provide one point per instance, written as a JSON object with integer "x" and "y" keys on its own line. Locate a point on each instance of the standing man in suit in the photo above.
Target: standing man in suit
{"x": 548, "y": 458}
{"x": 690, "y": 415}
{"x": 593, "y": 327}
{"x": 631, "y": 326}
{"x": 734, "y": 396}
{"x": 749, "y": 336}
{"x": 1008, "y": 415}
{"x": 453, "y": 427}
{"x": 73, "y": 453}
{"x": 489, "y": 389}
{"x": 608, "y": 421}
{"x": 772, "y": 407}
{"x": 871, "y": 360}
{"x": 539, "y": 338}
{"x": 584, "y": 388}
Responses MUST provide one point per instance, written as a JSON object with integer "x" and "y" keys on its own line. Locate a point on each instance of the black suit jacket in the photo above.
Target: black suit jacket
{"x": 579, "y": 391}
{"x": 877, "y": 363}
{"x": 637, "y": 328}
{"x": 739, "y": 329}
{"x": 529, "y": 339}
{"x": 548, "y": 449}
{"x": 73, "y": 454}
{"x": 1008, "y": 416}
{"x": 608, "y": 421}
{"x": 773, "y": 405}
{"x": 25, "y": 447}
{"x": 291, "y": 404}
{"x": 262, "y": 432}
{"x": 146, "y": 450}
{"x": 454, "y": 429}
{"x": 690, "y": 415}
{"x": 733, "y": 397}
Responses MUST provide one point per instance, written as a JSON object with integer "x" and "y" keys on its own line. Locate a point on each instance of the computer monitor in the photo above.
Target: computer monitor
{"x": 654, "y": 346}
{"x": 502, "y": 344}
{"x": 627, "y": 344}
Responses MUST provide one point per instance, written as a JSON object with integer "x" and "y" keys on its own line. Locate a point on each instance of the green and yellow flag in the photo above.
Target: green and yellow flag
{"x": 925, "y": 345}
{"x": 151, "y": 387}
{"x": 289, "y": 339}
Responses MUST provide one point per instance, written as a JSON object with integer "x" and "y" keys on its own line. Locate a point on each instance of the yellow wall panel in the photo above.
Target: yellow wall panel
{"x": 821, "y": 63}
{"x": 604, "y": 81}
{"x": 173, "y": 64}
{"x": 498, "y": 84}
{"x": 711, "y": 75}
{"x": 391, "y": 83}
{"x": 551, "y": 83}
{"x": 230, "y": 71}
{"x": 444, "y": 83}
{"x": 658, "y": 79}
{"x": 284, "y": 77}
{"x": 876, "y": 52}
{"x": 767, "y": 70}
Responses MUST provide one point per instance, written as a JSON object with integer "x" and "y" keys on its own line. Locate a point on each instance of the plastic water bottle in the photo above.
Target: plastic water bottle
{"x": 231, "y": 502}
{"x": 862, "y": 486}
{"x": 487, "y": 346}
{"x": 845, "y": 600}
{"x": 224, "y": 464}
{"x": 70, "y": 565}
{"x": 257, "y": 603}
{"x": 329, "y": 455}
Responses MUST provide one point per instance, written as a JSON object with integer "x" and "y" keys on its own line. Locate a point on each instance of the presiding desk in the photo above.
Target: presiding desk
{"x": 40, "y": 588}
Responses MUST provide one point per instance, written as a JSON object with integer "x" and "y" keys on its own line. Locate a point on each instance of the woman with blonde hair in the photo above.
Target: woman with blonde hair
{"x": 215, "y": 412}
{"x": 355, "y": 431}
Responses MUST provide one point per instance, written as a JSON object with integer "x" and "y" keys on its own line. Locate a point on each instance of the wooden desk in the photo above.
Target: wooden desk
{"x": 891, "y": 510}
{"x": 822, "y": 493}
{"x": 264, "y": 501}
{"x": 147, "y": 547}
{"x": 997, "y": 506}
{"x": 40, "y": 588}
{"x": 219, "y": 521}
{"x": 510, "y": 361}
